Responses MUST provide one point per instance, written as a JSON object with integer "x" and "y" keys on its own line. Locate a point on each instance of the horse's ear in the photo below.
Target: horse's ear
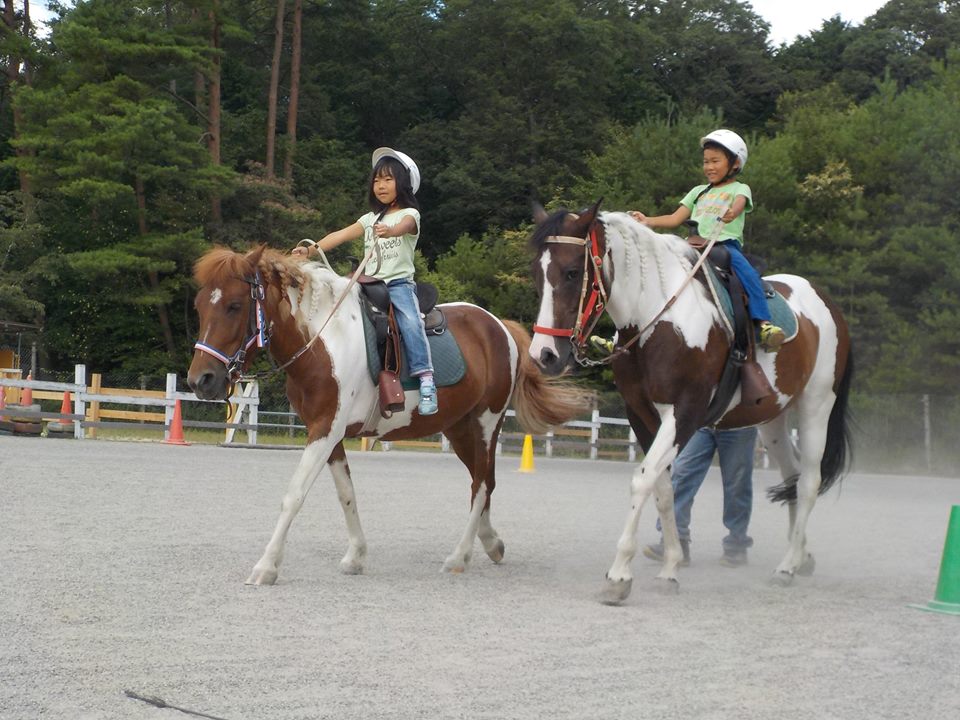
{"x": 253, "y": 257}
{"x": 594, "y": 209}
{"x": 539, "y": 214}
{"x": 586, "y": 218}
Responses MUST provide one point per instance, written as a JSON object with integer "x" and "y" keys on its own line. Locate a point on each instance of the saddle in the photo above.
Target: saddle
{"x": 741, "y": 369}
{"x": 375, "y": 302}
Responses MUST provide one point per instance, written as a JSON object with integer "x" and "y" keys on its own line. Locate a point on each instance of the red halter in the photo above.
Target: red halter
{"x": 593, "y": 294}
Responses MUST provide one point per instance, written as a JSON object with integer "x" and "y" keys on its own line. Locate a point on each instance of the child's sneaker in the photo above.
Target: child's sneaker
{"x": 771, "y": 337}
{"x": 601, "y": 343}
{"x": 655, "y": 552}
{"x": 428, "y": 399}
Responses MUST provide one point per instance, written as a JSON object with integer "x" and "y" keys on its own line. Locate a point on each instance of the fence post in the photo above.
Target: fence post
{"x": 171, "y": 401}
{"x": 445, "y": 444}
{"x": 926, "y": 429}
{"x": 253, "y": 413}
{"x": 95, "y": 385}
{"x": 79, "y": 405}
{"x": 594, "y": 430}
{"x": 632, "y": 448}
{"x": 548, "y": 444}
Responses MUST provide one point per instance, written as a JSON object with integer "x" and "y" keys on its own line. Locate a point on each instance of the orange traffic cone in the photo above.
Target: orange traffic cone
{"x": 26, "y": 397}
{"x": 176, "y": 428}
{"x": 66, "y": 408}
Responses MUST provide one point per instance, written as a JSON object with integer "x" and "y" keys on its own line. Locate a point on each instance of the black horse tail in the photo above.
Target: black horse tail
{"x": 838, "y": 451}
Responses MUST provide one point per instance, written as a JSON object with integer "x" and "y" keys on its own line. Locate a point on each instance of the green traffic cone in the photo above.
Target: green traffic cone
{"x": 947, "y": 597}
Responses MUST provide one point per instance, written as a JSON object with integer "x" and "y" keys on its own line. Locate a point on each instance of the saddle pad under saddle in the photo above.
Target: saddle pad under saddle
{"x": 780, "y": 312}
{"x": 449, "y": 366}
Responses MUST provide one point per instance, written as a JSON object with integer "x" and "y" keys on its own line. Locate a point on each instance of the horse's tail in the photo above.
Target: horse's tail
{"x": 838, "y": 451}
{"x": 541, "y": 401}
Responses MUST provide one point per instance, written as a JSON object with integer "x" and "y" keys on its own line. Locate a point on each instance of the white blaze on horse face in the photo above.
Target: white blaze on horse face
{"x": 545, "y": 316}
{"x": 215, "y": 296}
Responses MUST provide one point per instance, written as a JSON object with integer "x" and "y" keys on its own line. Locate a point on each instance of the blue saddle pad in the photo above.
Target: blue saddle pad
{"x": 449, "y": 366}
{"x": 780, "y": 313}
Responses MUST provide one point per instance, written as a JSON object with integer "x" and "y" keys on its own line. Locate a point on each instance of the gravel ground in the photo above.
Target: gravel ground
{"x": 123, "y": 568}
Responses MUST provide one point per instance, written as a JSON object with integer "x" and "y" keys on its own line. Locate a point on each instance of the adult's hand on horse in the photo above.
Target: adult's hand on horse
{"x": 638, "y": 216}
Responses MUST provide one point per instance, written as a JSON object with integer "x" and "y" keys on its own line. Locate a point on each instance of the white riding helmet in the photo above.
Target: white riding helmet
{"x": 729, "y": 140}
{"x": 405, "y": 159}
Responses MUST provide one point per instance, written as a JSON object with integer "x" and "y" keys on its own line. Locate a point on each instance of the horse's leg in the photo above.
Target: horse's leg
{"x": 492, "y": 544}
{"x": 652, "y": 473}
{"x": 775, "y": 436}
{"x": 308, "y": 469}
{"x": 352, "y": 562}
{"x": 813, "y": 419}
{"x": 468, "y": 442}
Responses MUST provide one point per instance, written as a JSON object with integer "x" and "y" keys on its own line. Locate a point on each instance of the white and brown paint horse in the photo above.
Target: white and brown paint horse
{"x": 243, "y": 297}
{"x": 668, "y": 375}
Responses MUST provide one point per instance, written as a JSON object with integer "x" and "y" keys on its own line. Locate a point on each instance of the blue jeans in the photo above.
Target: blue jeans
{"x": 750, "y": 279}
{"x": 736, "y": 470}
{"x": 416, "y": 351}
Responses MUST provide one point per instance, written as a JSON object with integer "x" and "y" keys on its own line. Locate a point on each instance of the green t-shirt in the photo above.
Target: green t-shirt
{"x": 396, "y": 253}
{"x": 714, "y": 204}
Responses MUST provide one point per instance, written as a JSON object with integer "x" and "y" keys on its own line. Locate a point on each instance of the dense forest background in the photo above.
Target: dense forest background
{"x": 135, "y": 134}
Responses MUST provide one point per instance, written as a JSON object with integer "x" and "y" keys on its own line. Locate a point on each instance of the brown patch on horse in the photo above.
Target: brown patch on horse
{"x": 644, "y": 378}
{"x": 793, "y": 364}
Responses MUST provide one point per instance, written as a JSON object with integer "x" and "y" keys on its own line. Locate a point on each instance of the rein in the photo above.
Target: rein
{"x": 589, "y": 311}
{"x": 592, "y": 304}
{"x": 259, "y": 333}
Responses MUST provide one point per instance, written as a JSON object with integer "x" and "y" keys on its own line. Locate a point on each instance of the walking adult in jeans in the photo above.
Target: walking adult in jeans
{"x": 736, "y": 470}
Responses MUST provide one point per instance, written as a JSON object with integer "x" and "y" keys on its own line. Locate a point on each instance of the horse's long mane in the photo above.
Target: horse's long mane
{"x": 221, "y": 264}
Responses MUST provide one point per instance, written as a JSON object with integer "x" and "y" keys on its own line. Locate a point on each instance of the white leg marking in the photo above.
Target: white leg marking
{"x": 460, "y": 557}
{"x": 311, "y": 464}
{"x": 352, "y": 562}
{"x": 651, "y": 472}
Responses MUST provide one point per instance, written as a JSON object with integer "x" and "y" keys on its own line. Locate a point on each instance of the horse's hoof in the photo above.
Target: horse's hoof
{"x": 496, "y": 552}
{"x": 667, "y": 586}
{"x": 262, "y": 577}
{"x": 615, "y": 591}
{"x": 454, "y": 566}
{"x": 351, "y": 567}
{"x": 807, "y": 566}
{"x": 781, "y": 579}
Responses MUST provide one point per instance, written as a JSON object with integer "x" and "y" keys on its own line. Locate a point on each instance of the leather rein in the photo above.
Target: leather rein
{"x": 593, "y": 303}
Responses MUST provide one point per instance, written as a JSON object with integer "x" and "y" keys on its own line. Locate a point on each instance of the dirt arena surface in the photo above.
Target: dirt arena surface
{"x": 123, "y": 568}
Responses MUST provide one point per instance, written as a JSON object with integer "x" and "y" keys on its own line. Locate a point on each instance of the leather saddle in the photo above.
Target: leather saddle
{"x": 741, "y": 369}
{"x": 375, "y": 302}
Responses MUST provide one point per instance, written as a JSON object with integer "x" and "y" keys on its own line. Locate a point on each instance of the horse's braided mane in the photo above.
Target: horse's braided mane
{"x": 221, "y": 264}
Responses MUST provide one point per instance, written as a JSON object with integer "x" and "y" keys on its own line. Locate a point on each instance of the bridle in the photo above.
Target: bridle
{"x": 592, "y": 305}
{"x": 593, "y": 291}
{"x": 258, "y": 333}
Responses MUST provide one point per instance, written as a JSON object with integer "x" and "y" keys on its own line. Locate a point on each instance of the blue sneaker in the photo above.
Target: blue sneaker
{"x": 428, "y": 399}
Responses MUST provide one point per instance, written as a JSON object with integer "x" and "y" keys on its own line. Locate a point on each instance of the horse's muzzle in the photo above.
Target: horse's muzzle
{"x": 209, "y": 384}
{"x": 550, "y": 363}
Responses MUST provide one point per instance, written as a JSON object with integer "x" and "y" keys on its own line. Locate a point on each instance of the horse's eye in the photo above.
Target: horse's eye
{"x": 571, "y": 275}
{"x": 233, "y": 307}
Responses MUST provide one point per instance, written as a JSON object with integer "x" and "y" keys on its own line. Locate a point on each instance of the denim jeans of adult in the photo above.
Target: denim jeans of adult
{"x": 736, "y": 471}
{"x": 750, "y": 279}
{"x": 416, "y": 350}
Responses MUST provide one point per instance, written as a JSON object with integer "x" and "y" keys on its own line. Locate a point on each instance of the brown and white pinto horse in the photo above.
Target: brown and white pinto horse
{"x": 668, "y": 375}
{"x": 284, "y": 303}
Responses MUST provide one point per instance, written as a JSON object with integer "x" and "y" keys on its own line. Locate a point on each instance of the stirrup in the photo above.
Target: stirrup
{"x": 771, "y": 337}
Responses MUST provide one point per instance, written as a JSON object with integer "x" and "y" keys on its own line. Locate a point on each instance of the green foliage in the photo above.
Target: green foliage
{"x": 853, "y": 133}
